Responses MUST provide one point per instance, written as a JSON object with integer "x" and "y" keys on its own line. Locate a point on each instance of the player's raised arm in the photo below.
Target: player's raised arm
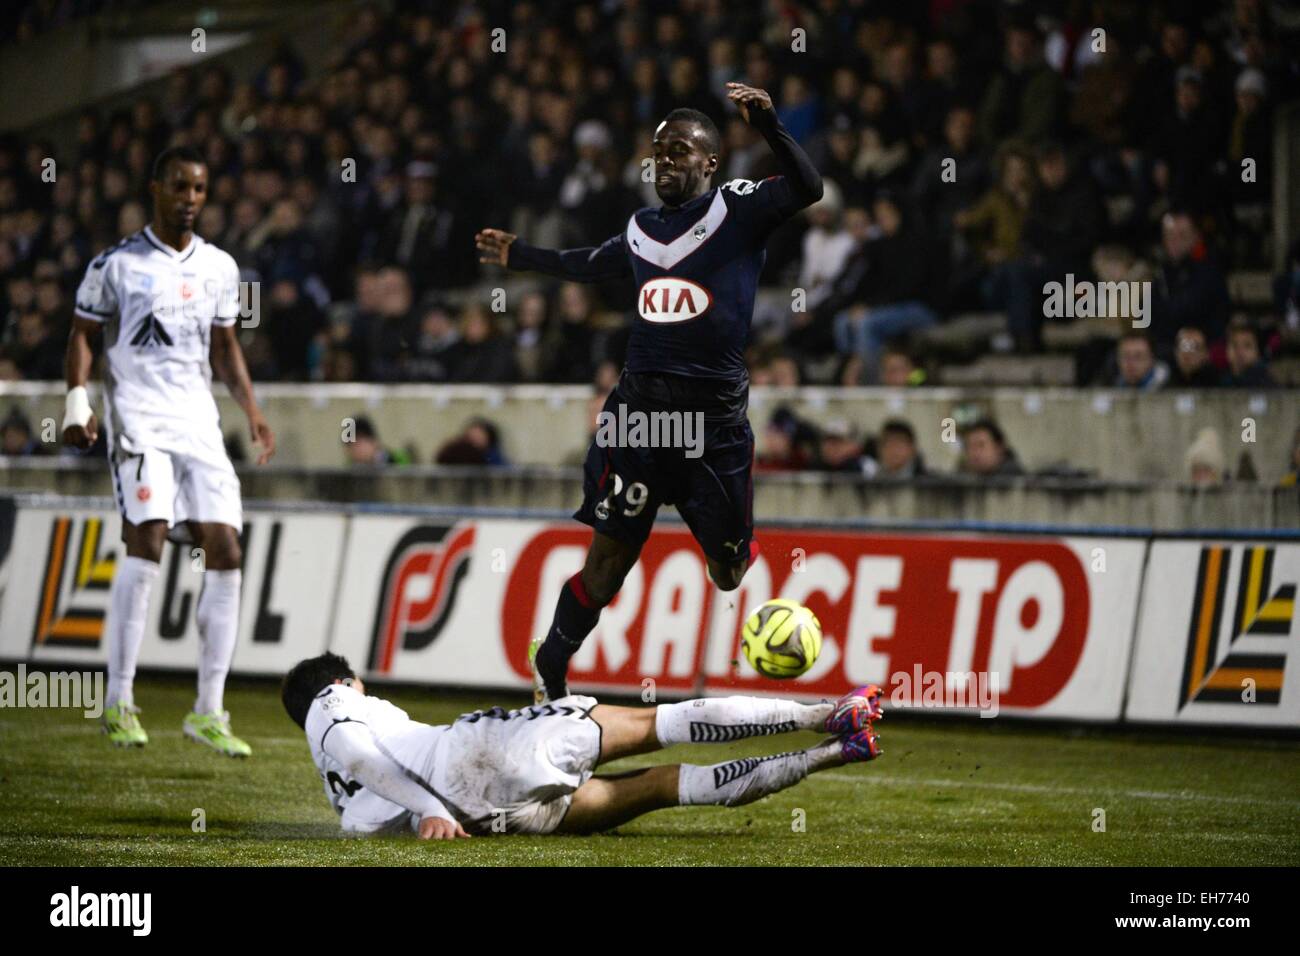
{"x": 590, "y": 264}
{"x": 802, "y": 178}
{"x": 229, "y": 366}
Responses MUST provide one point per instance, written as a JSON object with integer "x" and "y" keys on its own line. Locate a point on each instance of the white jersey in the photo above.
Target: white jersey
{"x": 492, "y": 771}
{"x": 400, "y": 745}
{"x": 158, "y": 307}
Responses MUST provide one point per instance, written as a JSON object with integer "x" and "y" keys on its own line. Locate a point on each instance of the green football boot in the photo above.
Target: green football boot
{"x": 539, "y": 685}
{"x": 122, "y": 725}
{"x": 214, "y": 730}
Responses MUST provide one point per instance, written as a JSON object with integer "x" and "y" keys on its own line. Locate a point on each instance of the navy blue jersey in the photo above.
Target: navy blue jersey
{"x": 696, "y": 269}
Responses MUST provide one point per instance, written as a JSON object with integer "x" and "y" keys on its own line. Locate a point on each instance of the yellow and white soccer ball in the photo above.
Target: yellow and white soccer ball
{"x": 782, "y": 639}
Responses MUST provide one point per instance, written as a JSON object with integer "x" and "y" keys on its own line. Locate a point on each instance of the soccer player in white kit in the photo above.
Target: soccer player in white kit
{"x": 167, "y": 303}
{"x": 531, "y": 770}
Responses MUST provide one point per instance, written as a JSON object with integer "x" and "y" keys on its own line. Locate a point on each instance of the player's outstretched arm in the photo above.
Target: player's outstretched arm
{"x": 756, "y": 109}
{"x": 80, "y": 427}
{"x": 590, "y": 264}
{"x": 352, "y": 745}
{"x": 229, "y": 366}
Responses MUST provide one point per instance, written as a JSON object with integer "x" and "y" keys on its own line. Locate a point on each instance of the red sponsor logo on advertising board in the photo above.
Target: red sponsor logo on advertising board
{"x": 418, "y": 591}
{"x": 1017, "y": 610}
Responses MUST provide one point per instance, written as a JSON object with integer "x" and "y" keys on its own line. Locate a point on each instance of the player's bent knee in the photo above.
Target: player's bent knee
{"x": 728, "y": 577}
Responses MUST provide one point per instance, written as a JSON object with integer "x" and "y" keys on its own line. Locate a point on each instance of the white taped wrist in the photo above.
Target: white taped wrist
{"x": 76, "y": 409}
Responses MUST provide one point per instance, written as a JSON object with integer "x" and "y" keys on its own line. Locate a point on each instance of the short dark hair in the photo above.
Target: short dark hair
{"x": 1241, "y": 325}
{"x": 305, "y": 681}
{"x": 989, "y": 425}
{"x": 177, "y": 154}
{"x": 897, "y": 426}
{"x": 363, "y": 427}
{"x": 687, "y": 115}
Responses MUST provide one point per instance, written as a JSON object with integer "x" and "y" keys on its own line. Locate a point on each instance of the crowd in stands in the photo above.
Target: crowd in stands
{"x": 973, "y": 150}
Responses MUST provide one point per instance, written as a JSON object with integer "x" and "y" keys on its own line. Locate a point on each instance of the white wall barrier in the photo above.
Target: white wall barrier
{"x": 1029, "y": 625}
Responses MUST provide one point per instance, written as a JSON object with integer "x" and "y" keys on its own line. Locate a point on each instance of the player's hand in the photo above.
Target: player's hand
{"x": 440, "y": 828}
{"x": 82, "y": 436}
{"x": 495, "y": 246}
{"x": 747, "y": 98}
{"x": 263, "y": 437}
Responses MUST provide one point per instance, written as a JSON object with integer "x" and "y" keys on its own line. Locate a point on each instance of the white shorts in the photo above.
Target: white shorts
{"x": 175, "y": 487}
{"x": 515, "y": 771}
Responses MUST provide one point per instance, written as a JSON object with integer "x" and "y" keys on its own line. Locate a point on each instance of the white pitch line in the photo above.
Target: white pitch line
{"x": 1045, "y": 788}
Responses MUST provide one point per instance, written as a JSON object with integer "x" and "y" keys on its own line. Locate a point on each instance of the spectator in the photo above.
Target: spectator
{"x": 1061, "y": 228}
{"x": 953, "y": 175}
{"x": 786, "y": 441}
{"x": 1025, "y": 99}
{"x": 1138, "y": 366}
{"x": 294, "y": 323}
{"x": 530, "y": 327}
{"x": 784, "y": 371}
{"x": 898, "y": 368}
{"x": 1204, "y": 462}
{"x": 1246, "y": 367}
{"x": 364, "y": 448}
{"x": 422, "y": 235}
{"x": 479, "y": 443}
{"x": 16, "y": 437}
{"x": 985, "y": 452}
{"x": 897, "y": 457}
{"x": 826, "y": 246}
{"x": 482, "y": 355}
{"x": 386, "y": 329}
{"x": 433, "y": 348}
{"x": 1251, "y": 137}
{"x": 997, "y": 221}
{"x": 840, "y": 449}
{"x": 1187, "y": 141}
{"x": 572, "y": 342}
{"x": 1192, "y": 365}
{"x": 35, "y": 347}
{"x": 892, "y": 292}
{"x": 1189, "y": 289}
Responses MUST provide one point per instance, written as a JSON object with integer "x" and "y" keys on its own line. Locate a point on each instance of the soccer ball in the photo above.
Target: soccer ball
{"x": 782, "y": 639}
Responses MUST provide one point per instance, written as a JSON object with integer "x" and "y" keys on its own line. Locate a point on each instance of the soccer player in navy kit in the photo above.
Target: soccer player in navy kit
{"x": 696, "y": 262}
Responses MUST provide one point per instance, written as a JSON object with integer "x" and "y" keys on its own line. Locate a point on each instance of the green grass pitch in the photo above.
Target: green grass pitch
{"x": 945, "y": 792}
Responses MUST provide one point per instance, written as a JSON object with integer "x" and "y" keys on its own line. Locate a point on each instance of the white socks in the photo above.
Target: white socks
{"x": 720, "y": 719}
{"x": 747, "y": 779}
{"x": 218, "y": 618}
{"x": 128, "y": 609}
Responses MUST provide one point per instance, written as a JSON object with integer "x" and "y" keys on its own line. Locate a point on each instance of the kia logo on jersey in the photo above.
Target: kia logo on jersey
{"x": 672, "y": 300}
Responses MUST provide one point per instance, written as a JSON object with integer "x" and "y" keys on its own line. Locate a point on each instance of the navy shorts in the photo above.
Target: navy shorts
{"x": 624, "y": 483}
